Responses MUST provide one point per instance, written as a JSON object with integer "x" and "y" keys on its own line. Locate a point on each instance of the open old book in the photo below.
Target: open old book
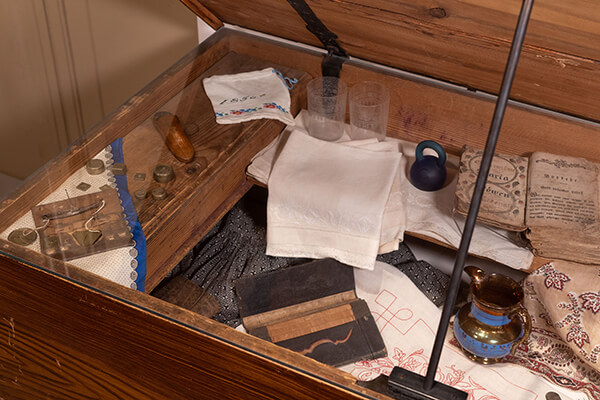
{"x": 554, "y": 200}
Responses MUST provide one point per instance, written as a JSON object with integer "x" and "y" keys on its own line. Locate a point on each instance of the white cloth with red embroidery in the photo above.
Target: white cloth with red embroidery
{"x": 248, "y": 96}
{"x": 408, "y": 323}
{"x": 568, "y": 299}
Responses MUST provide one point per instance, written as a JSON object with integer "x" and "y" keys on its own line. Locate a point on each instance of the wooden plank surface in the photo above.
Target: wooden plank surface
{"x": 162, "y": 308}
{"x": 422, "y": 109}
{"x": 206, "y": 15}
{"x": 65, "y": 341}
{"x": 460, "y": 41}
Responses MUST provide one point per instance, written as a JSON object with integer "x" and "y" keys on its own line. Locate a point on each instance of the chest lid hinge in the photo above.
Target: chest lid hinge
{"x": 332, "y": 63}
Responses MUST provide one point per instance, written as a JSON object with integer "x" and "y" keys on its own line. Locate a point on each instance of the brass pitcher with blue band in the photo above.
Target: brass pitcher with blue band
{"x": 495, "y": 322}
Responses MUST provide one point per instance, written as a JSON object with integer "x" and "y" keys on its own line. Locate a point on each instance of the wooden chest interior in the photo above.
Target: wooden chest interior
{"x": 442, "y": 64}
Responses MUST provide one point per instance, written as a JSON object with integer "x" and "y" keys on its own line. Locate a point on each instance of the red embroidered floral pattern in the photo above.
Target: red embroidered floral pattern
{"x": 562, "y": 345}
{"x": 576, "y": 333}
{"x": 591, "y": 301}
{"x": 418, "y": 362}
{"x": 554, "y": 279}
{"x": 547, "y": 355}
{"x": 578, "y": 336}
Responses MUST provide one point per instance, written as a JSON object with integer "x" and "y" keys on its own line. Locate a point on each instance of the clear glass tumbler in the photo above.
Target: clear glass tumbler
{"x": 369, "y": 109}
{"x": 326, "y": 97}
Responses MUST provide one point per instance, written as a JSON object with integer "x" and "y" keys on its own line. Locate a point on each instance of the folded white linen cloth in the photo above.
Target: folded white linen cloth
{"x": 432, "y": 214}
{"x": 408, "y": 323}
{"x": 327, "y": 200}
{"x": 248, "y": 96}
{"x": 394, "y": 215}
{"x": 410, "y": 209}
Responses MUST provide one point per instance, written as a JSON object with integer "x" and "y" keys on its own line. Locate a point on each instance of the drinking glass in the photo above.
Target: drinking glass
{"x": 326, "y": 97}
{"x": 369, "y": 108}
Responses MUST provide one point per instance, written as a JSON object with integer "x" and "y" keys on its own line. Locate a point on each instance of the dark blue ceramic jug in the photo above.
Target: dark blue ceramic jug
{"x": 429, "y": 172}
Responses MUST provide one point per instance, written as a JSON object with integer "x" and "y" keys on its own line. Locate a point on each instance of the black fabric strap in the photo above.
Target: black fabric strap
{"x": 332, "y": 64}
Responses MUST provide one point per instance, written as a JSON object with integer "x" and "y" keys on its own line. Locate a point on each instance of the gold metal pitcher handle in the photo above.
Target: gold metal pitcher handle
{"x": 525, "y": 318}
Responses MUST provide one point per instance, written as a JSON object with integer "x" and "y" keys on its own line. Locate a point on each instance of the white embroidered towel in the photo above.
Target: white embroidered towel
{"x": 262, "y": 162}
{"x": 410, "y": 209}
{"x": 248, "y": 96}
{"x": 408, "y": 322}
{"x": 394, "y": 215}
{"x": 327, "y": 200}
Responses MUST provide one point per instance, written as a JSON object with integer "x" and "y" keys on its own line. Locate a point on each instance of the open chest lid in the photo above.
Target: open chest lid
{"x": 463, "y": 42}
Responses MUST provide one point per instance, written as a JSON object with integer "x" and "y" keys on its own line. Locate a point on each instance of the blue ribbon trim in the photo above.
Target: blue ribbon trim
{"x": 289, "y": 82}
{"x": 131, "y": 217}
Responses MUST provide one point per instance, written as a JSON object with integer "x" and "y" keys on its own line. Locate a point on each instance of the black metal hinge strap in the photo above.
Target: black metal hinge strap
{"x": 332, "y": 64}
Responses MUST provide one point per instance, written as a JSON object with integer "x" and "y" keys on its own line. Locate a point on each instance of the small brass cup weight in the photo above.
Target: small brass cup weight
{"x": 495, "y": 322}
{"x": 163, "y": 173}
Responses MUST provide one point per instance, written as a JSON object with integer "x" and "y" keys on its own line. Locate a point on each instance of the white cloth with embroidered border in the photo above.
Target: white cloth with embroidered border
{"x": 248, "y": 96}
{"x": 408, "y": 323}
{"x": 327, "y": 200}
{"x": 408, "y": 208}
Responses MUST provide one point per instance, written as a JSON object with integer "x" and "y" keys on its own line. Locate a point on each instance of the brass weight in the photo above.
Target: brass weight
{"x": 23, "y": 236}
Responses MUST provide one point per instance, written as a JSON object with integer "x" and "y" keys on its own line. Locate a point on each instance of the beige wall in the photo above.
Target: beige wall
{"x": 67, "y": 63}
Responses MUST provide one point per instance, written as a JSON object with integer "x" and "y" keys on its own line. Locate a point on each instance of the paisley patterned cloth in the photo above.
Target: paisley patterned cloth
{"x": 563, "y": 299}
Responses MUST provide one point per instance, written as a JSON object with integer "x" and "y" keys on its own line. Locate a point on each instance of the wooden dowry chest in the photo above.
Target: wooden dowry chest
{"x": 69, "y": 333}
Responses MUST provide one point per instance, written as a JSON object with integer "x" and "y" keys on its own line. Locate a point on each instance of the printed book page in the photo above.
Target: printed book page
{"x": 563, "y": 204}
{"x": 563, "y": 192}
{"x": 503, "y": 202}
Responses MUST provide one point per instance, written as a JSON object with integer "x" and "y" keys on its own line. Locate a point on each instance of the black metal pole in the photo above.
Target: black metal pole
{"x": 486, "y": 161}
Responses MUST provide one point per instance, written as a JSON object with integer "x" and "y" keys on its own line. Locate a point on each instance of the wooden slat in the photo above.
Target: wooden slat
{"x": 297, "y": 310}
{"x": 464, "y": 42}
{"x": 65, "y": 341}
{"x": 311, "y": 323}
{"x": 185, "y": 293}
{"x": 420, "y": 109}
{"x": 205, "y": 14}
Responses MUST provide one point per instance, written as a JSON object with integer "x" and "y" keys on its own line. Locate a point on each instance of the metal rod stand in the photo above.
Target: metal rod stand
{"x": 488, "y": 154}
{"x": 486, "y": 162}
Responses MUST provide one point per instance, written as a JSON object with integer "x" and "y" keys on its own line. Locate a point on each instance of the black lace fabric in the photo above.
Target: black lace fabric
{"x": 236, "y": 246}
